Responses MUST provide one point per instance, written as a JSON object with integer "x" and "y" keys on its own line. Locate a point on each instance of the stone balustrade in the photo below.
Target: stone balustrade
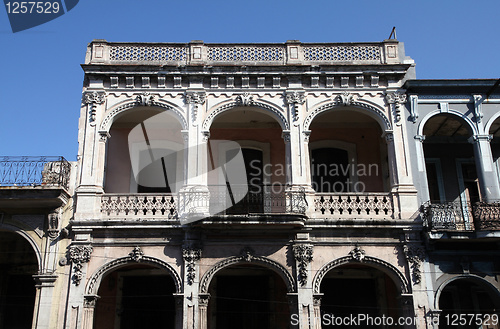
{"x": 353, "y": 205}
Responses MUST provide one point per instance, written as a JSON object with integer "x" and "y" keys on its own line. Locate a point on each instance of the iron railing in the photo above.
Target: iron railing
{"x": 34, "y": 171}
{"x": 262, "y": 199}
{"x": 461, "y": 216}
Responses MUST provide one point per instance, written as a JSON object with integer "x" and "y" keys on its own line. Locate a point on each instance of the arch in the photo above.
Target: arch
{"x": 95, "y": 279}
{"x": 27, "y": 237}
{"x": 472, "y": 277}
{"x": 275, "y": 112}
{"x": 361, "y": 106}
{"x": 421, "y": 125}
{"x": 491, "y": 120}
{"x": 132, "y": 103}
{"x": 257, "y": 260}
{"x": 398, "y": 278}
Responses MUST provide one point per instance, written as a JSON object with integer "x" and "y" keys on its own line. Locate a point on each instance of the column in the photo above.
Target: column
{"x": 486, "y": 173}
{"x": 203, "y": 300}
{"x": 194, "y": 196}
{"x": 317, "y": 310}
{"x": 191, "y": 256}
{"x": 43, "y": 303}
{"x": 303, "y": 254}
{"x": 88, "y": 311}
{"x": 422, "y": 171}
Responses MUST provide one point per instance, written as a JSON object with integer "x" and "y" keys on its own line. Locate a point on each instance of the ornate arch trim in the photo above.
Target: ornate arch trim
{"x": 130, "y": 104}
{"x": 488, "y": 124}
{"x": 377, "y": 113}
{"x": 232, "y": 104}
{"x": 384, "y": 266}
{"x": 257, "y": 260}
{"x": 95, "y": 279}
{"x": 472, "y": 277}
{"x": 29, "y": 239}
{"x": 460, "y": 115}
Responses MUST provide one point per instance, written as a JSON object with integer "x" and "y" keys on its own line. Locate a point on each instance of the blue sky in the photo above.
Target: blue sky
{"x": 41, "y": 78}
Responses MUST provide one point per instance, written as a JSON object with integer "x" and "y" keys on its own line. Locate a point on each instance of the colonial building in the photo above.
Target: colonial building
{"x": 344, "y": 208}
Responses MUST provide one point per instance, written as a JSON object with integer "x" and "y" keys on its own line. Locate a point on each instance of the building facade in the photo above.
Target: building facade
{"x": 344, "y": 210}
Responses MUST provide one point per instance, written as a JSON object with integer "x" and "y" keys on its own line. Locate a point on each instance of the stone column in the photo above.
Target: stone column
{"x": 88, "y": 311}
{"x": 203, "y": 300}
{"x": 194, "y": 195}
{"x": 43, "y": 304}
{"x": 303, "y": 254}
{"x": 486, "y": 173}
{"x": 422, "y": 171}
{"x": 317, "y": 310}
{"x": 191, "y": 256}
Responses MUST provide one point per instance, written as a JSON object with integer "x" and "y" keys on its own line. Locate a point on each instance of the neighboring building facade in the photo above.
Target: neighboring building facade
{"x": 346, "y": 210}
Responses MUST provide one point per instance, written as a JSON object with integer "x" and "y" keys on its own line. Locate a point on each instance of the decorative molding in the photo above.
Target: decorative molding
{"x": 247, "y": 255}
{"x": 78, "y": 255}
{"x": 480, "y": 138}
{"x": 285, "y": 134}
{"x": 145, "y": 99}
{"x": 307, "y": 134}
{"x": 399, "y": 278}
{"x": 357, "y": 254}
{"x": 420, "y": 138}
{"x": 303, "y": 254}
{"x": 92, "y": 98}
{"x": 478, "y": 109}
{"x": 294, "y": 98}
{"x": 103, "y": 136}
{"x": 414, "y": 255}
{"x": 389, "y": 137}
{"x": 345, "y": 98}
{"x": 191, "y": 256}
{"x": 195, "y": 97}
{"x": 396, "y": 99}
{"x": 53, "y": 225}
{"x": 90, "y": 301}
{"x": 245, "y": 99}
{"x": 94, "y": 281}
{"x": 136, "y": 254}
{"x": 413, "y": 108}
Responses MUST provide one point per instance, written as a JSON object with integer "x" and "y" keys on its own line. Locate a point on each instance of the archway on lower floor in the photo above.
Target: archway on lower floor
{"x": 136, "y": 296}
{"x": 360, "y": 292}
{"x": 18, "y": 264}
{"x": 247, "y": 296}
{"x": 472, "y": 298}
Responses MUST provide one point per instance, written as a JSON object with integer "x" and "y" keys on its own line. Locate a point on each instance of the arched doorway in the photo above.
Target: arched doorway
{"x": 472, "y": 298}
{"x": 136, "y": 296}
{"x": 247, "y": 296}
{"x": 363, "y": 292}
{"x": 18, "y": 264}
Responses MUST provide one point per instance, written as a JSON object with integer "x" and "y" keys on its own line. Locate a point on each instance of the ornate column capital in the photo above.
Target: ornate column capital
{"x": 78, "y": 255}
{"x": 90, "y": 301}
{"x": 103, "y": 136}
{"x": 92, "y": 98}
{"x": 285, "y": 134}
{"x": 396, "y": 99}
{"x": 190, "y": 255}
{"x": 414, "y": 255}
{"x": 303, "y": 254}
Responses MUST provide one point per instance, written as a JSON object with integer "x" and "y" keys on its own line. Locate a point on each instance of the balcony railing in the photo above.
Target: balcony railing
{"x": 262, "y": 199}
{"x": 354, "y": 205}
{"x": 45, "y": 171}
{"x": 197, "y": 52}
{"x": 461, "y": 216}
{"x": 139, "y": 205}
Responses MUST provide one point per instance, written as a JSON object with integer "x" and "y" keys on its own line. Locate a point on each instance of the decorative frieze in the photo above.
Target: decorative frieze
{"x": 129, "y": 82}
{"x": 303, "y": 254}
{"x": 414, "y": 255}
{"x": 191, "y": 256}
{"x": 78, "y": 255}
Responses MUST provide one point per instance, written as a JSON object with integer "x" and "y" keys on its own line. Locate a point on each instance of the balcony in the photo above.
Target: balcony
{"x": 462, "y": 216}
{"x": 33, "y": 182}
{"x": 353, "y": 205}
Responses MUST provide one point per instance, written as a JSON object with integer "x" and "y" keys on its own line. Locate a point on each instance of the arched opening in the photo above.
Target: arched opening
{"x": 258, "y": 134}
{"x": 347, "y": 153}
{"x": 136, "y": 296}
{"x": 495, "y": 144}
{"x": 18, "y": 264}
{"x": 471, "y": 298}
{"x": 357, "y": 290}
{"x": 452, "y": 178}
{"x": 247, "y": 296}
{"x": 145, "y": 152}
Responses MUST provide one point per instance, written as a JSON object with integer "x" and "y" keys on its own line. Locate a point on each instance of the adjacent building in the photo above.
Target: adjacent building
{"x": 366, "y": 193}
